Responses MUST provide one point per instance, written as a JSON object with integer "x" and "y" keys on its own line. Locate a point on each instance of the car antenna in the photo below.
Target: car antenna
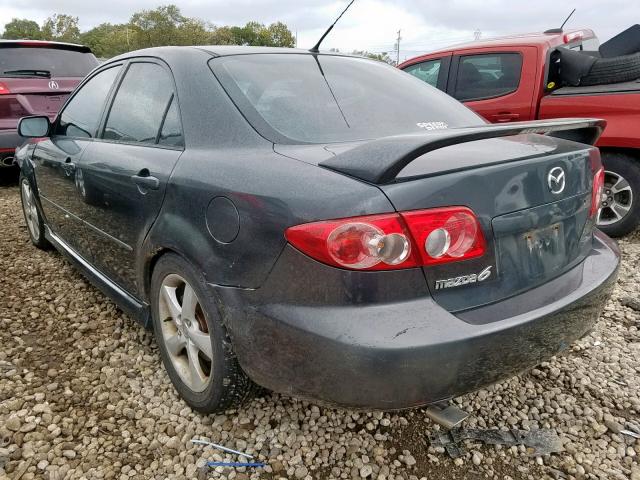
{"x": 559, "y": 30}
{"x": 316, "y": 47}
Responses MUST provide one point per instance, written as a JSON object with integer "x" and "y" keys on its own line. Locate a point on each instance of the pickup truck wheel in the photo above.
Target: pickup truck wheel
{"x": 194, "y": 345}
{"x": 620, "y": 212}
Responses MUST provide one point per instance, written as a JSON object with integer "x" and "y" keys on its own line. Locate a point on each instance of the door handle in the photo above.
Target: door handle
{"x": 505, "y": 117}
{"x": 146, "y": 181}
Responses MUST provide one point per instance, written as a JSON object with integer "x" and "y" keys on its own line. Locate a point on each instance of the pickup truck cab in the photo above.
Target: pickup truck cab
{"x": 515, "y": 78}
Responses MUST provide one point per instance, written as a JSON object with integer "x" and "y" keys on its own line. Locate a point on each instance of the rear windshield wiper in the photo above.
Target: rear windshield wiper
{"x": 29, "y": 73}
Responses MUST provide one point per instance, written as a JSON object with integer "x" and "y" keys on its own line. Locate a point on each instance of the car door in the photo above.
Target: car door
{"x": 124, "y": 173}
{"x": 55, "y": 158}
{"x": 489, "y": 82}
{"x": 434, "y": 71}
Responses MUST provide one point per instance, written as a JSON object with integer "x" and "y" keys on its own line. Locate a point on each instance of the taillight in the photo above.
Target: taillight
{"x": 375, "y": 242}
{"x": 598, "y": 181}
{"x": 4, "y": 90}
{"x": 392, "y": 241}
{"x": 446, "y": 234}
{"x": 596, "y": 193}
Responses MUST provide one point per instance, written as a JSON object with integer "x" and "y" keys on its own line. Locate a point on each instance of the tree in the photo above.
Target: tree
{"x": 255, "y": 34}
{"x": 222, "y": 36}
{"x": 193, "y": 31}
{"x": 164, "y": 25}
{"x": 62, "y": 28}
{"x": 381, "y": 57}
{"x": 281, "y": 36}
{"x": 157, "y": 27}
{"x": 22, "y": 28}
{"x": 107, "y": 40}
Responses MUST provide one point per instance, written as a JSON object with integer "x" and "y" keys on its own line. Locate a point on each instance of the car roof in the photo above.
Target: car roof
{"x": 551, "y": 39}
{"x": 226, "y": 50}
{"x": 167, "y": 52}
{"x": 45, "y": 44}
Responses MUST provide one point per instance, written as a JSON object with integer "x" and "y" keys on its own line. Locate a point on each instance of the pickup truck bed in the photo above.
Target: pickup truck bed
{"x": 624, "y": 87}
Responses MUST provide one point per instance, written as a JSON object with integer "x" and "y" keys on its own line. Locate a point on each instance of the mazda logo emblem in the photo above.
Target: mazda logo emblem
{"x": 53, "y": 85}
{"x": 556, "y": 180}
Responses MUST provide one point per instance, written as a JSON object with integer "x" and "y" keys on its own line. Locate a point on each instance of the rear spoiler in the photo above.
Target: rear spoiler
{"x": 379, "y": 161}
{"x": 44, "y": 44}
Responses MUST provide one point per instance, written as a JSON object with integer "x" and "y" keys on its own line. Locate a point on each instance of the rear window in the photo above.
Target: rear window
{"x": 324, "y": 98}
{"x": 61, "y": 63}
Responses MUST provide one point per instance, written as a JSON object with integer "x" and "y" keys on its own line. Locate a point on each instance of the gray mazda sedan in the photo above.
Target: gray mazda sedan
{"x": 321, "y": 225}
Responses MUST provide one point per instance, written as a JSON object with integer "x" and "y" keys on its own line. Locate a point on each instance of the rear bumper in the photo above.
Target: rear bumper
{"x": 399, "y": 353}
{"x": 9, "y": 140}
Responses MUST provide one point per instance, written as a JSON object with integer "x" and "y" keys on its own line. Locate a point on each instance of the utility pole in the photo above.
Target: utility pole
{"x": 398, "y": 49}
{"x": 477, "y": 34}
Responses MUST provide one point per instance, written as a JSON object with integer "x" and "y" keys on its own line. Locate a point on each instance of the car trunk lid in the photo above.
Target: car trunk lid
{"x": 534, "y": 229}
{"x": 33, "y": 96}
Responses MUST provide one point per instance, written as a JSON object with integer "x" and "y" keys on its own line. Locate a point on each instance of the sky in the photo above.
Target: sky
{"x": 372, "y": 25}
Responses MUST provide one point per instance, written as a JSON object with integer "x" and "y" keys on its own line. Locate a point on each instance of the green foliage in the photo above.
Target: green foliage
{"x": 381, "y": 57}
{"x": 107, "y": 40}
{"x": 164, "y": 25}
{"x": 22, "y": 28}
{"x": 61, "y": 28}
{"x": 254, "y": 34}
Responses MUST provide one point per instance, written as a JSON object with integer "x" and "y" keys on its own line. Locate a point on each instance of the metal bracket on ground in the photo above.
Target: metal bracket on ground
{"x": 537, "y": 442}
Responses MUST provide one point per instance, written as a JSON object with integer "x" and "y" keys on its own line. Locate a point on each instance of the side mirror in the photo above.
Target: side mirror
{"x": 34, "y": 127}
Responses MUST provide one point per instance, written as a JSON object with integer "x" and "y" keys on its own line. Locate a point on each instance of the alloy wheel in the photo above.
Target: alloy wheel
{"x": 30, "y": 210}
{"x": 617, "y": 199}
{"x": 185, "y": 332}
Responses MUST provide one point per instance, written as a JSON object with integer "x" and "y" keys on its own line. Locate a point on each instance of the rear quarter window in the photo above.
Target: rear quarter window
{"x": 426, "y": 71}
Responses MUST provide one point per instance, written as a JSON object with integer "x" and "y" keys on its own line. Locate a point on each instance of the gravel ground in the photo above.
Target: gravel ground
{"x": 83, "y": 395}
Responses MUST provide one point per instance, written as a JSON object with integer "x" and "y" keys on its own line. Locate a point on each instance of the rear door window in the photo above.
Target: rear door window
{"x": 485, "y": 76}
{"x": 141, "y": 105}
{"x": 18, "y": 61}
{"x": 81, "y": 116}
{"x": 428, "y": 71}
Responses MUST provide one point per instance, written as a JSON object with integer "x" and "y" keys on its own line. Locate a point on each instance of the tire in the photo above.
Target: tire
{"x": 226, "y": 385}
{"x": 613, "y": 70}
{"x": 32, "y": 216}
{"x": 622, "y": 200}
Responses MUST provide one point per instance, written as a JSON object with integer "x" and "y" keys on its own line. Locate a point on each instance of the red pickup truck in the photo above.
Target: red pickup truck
{"x": 516, "y": 78}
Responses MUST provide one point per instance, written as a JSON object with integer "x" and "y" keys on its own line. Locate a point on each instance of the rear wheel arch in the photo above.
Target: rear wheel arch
{"x": 170, "y": 234}
{"x": 227, "y": 386}
{"x": 149, "y": 265}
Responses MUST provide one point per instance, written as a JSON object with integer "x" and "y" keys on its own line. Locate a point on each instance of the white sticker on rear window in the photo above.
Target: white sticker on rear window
{"x": 433, "y": 125}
